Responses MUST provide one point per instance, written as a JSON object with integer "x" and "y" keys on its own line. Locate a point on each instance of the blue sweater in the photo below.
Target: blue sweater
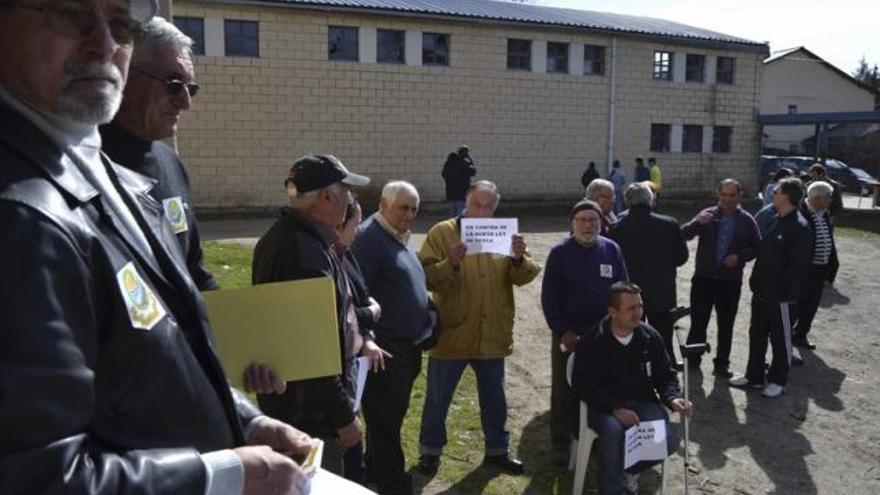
{"x": 395, "y": 278}
{"x": 577, "y": 288}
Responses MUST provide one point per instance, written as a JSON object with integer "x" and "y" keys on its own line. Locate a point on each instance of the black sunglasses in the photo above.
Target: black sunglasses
{"x": 173, "y": 86}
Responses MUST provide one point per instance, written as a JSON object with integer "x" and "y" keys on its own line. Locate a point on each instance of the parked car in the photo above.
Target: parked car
{"x": 866, "y": 182}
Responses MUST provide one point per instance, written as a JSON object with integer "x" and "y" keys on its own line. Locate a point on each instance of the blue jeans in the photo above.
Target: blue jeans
{"x": 443, "y": 378}
{"x": 610, "y": 444}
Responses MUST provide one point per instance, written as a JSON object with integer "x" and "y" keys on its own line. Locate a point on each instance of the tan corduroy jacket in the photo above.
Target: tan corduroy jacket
{"x": 475, "y": 300}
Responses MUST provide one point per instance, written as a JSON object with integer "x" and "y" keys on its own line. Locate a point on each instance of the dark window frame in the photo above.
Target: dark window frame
{"x": 692, "y": 139}
{"x": 594, "y": 60}
{"x": 721, "y": 137}
{"x": 695, "y": 68}
{"x": 430, "y": 55}
{"x": 187, "y": 25}
{"x": 343, "y": 54}
{"x": 661, "y": 137}
{"x": 385, "y": 33}
{"x": 724, "y": 75}
{"x": 663, "y": 65}
{"x": 521, "y": 59}
{"x": 245, "y": 44}
{"x": 558, "y": 58}
{"x": 792, "y": 109}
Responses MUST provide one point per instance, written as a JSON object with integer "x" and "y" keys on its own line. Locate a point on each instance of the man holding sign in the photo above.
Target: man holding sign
{"x": 474, "y": 296}
{"x": 622, "y": 372}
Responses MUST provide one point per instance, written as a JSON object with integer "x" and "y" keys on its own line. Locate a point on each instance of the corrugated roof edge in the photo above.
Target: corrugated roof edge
{"x": 721, "y": 41}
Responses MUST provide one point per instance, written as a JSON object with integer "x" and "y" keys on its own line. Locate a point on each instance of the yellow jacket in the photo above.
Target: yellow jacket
{"x": 475, "y": 300}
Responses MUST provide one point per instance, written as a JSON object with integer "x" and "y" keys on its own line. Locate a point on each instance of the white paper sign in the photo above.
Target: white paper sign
{"x": 327, "y": 483}
{"x": 488, "y": 235}
{"x": 363, "y": 366}
{"x": 645, "y": 442}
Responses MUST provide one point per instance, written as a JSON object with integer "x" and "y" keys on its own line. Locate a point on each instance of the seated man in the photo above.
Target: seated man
{"x": 620, "y": 370}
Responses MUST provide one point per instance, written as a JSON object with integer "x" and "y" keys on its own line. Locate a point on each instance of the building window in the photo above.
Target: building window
{"x": 435, "y": 49}
{"x": 194, "y": 27}
{"x": 692, "y": 139}
{"x": 792, "y": 109}
{"x": 660, "y": 134}
{"x": 519, "y": 54}
{"x": 724, "y": 70}
{"x": 342, "y": 43}
{"x": 721, "y": 139}
{"x": 695, "y": 68}
{"x": 557, "y": 57}
{"x": 594, "y": 60}
{"x": 390, "y": 46}
{"x": 663, "y": 65}
{"x": 242, "y": 38}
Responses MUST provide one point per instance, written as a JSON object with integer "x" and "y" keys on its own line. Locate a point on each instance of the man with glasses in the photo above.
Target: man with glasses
{"x": 108, "y": 381}
{"x": 160, "y": 86}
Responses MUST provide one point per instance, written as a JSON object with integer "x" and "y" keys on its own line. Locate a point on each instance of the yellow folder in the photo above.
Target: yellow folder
{"x": 290, "y": 326}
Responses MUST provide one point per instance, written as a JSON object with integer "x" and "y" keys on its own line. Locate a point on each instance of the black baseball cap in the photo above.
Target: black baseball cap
{"x": 311, "y": 172}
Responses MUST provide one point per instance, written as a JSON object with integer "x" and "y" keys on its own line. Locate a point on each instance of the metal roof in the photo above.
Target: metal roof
{"x": 491, "y": 10}
{"x": 818, "y": 118}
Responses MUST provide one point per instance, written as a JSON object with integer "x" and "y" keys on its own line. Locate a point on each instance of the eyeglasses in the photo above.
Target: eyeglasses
{"x": 77, "y": 21}
{"x": 172, "y": 86}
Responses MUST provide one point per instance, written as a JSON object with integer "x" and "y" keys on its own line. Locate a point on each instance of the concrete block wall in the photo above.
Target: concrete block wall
{"x": 529, "y": 131}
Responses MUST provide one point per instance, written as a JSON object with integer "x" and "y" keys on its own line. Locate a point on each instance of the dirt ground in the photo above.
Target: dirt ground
{"x": 821, "y": 437}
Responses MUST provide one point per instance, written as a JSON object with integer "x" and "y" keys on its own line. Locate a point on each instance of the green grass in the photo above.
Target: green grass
{"x": 230, "y": 263}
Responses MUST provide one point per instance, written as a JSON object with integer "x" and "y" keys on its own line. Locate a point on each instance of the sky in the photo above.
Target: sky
{"x": 840, "y": 31}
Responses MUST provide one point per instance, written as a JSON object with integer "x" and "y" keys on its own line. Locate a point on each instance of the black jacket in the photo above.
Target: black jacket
{"x": 293, "y": 249}
{"x": 90, "y": 403}
{"x": 365, "y": 317}
{"x": 158, "y": 161}
{"x": 653, "y": 248}
{"x": 457, "y": 172}
{"x": 783, "y": 259}
{"x": 608, "y": 375}
{"x": 589, "y": 175}
{"x": 744, "y": 243}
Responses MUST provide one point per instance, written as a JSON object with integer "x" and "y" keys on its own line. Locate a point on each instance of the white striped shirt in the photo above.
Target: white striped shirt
{"x": 822, "y": 238}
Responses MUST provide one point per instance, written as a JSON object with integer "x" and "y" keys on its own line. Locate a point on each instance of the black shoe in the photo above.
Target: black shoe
{"x": 805, "y": 343}
{"x": 724, "y": 373}
{"x": 428, "y": 464}
{"x": 678, "y": 366}
{"x": 505, "y": 463}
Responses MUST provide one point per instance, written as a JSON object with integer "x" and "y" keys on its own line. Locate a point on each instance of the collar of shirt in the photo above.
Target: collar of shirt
{"x": 386, "y": 226}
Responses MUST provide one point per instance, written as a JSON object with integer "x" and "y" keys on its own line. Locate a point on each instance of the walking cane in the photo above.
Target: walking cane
{"x": 687, "y": 351}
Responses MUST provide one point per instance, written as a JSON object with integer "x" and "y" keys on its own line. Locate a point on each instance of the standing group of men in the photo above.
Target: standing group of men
{"x": 641, "y": 173}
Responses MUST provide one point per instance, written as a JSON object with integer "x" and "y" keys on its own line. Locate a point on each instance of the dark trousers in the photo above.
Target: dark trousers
{"x": 808, "y": 303}
{"x": 770, "y": 319}
{"x": 833, "y": 266}
{"x": 723, "y": 295}
{"x": 560, "y": 398}
{"x": 385, "y": 403}
{"x": 662, "y": 322}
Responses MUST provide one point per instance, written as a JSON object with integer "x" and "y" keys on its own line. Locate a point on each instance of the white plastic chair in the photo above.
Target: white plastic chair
{"x": 583, "y": 445}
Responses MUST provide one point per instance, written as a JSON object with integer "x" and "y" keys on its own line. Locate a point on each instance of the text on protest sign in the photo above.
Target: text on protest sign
{"x": 488, "y": 235}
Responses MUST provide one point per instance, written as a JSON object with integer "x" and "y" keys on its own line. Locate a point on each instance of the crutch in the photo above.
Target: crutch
{"x": 688, "y": 351}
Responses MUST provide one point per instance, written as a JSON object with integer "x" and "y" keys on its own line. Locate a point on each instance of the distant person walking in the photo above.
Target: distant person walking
{"x": 457, "y": 172}
{"x": 641, "y": 172}
{"x": 618, "y": 178}
{"x": 656, "y": 177}
{"x": 589, "y": 175}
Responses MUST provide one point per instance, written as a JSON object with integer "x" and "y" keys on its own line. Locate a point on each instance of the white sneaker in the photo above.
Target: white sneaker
{"x": 796, "y": 359}
{"x": 773, "y": 390}
{"x": 742, "y": 382}
{"x": 631, "y": 483}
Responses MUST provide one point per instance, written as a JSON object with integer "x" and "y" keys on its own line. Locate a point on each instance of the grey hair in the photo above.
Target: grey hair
{"x": 819, "y": 189}
{"x": 305, "y": 200}
{"x": 637, "y": 194}
{"x": 160, "y": 34}
{"x": 393, "y": 189}
{"x": 487, "y": 185}
{"x": 598, "y": 185}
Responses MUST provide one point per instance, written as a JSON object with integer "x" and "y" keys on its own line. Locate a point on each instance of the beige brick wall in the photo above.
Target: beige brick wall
{"x": 532, "y": 133}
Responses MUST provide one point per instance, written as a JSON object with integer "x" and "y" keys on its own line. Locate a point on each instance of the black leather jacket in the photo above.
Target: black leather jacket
{"x": 88, "y": 402}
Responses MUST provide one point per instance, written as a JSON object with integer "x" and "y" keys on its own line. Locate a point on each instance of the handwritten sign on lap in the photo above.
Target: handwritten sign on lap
{"x": 488, "y": 235}
{"x": 645, "y": 442}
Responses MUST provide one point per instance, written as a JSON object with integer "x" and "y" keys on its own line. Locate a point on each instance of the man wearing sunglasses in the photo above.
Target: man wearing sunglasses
{"x": 160, "y": 86}
{"x": 108, "y": 380}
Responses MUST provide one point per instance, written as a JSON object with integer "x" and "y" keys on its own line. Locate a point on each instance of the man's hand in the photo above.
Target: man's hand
{"x": 730, "y": 261}
{"x": 266, "y": 471}
{"x": 349, "y": 435}
{"x": 685, "y": 407}
{"x": 375, "y": 308}
{"x": 627, "y": 417}
{"x": 262, "y": 379}
{"x": 457, "y": 253}
{"x": 278, "y": 435}
{"x": 518, "y": 246}
{"x": 704, "y": 217}
{"x": 569, "y": 341}
{"x": 376, "y": 354}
